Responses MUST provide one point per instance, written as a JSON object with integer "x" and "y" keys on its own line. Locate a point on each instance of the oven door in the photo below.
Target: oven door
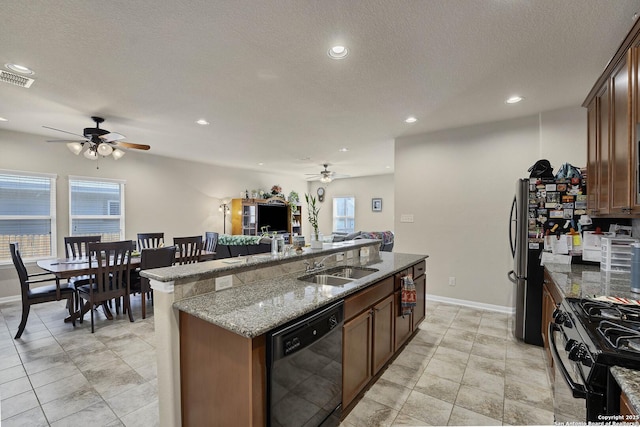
{"x": 569, "y": 389}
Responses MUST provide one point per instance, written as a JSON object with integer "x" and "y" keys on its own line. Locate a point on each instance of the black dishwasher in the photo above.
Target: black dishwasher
{"x": 304, "y": 375}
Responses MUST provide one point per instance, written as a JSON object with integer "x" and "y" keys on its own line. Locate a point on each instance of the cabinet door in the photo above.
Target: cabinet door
{"x": 383, "y": 344}
{"x": 635, "y": 134}
{"x": 420, "y": 309}
{"x": 593, "y": 178}
{"x": 620, "y": 143}
{"x": 356, "y": 356}
{"x": 603, "y": 149}
{"x": 402, "y": 323}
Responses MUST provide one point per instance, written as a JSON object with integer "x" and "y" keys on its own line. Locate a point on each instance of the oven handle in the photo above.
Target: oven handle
{"x": 578, "y": 390}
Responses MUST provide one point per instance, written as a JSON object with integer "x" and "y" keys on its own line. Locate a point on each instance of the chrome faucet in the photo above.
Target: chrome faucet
{"x": 316, "y": 265}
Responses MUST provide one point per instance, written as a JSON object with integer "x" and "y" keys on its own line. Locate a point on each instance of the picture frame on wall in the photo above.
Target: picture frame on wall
{"x": 376, "y": 205}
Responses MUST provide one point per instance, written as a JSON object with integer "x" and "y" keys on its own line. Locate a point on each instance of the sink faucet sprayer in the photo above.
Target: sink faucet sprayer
{"x": 316, "y": 265}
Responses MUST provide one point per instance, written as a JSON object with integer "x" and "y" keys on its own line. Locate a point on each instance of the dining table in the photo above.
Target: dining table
{"x": 66, "y": 268}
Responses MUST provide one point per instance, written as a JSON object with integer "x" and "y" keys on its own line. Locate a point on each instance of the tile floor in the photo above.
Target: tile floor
{"x": 462, "y": 368}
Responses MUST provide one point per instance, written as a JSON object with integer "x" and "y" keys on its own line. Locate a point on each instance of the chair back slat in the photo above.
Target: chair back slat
{"x": 210, "y": 241}
{"x": 111, "y": 268}
{"x": 76, "y": 246}
{"x": 150, "y": 240}
{"x": 155, "y": 258}
{"x": 20, "y": 268}
{"x": 189, "y": 249}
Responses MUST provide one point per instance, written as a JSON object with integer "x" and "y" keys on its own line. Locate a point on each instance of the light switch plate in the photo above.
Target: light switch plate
{"x": 223, "y": 282}
{"x": 406, "y": 218}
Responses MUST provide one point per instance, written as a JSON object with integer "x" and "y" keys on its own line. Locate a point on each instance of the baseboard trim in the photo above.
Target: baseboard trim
{"x": 472, "y": 304}
{"x": 13, "y": 298}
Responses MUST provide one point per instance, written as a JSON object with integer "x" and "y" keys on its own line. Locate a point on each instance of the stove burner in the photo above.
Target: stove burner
{"x": 620, "y": 337}
{"x": 596, "y": 310}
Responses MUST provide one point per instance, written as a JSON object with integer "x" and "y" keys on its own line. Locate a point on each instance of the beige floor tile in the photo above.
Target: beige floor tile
{"x": 519, "y": 414}
{"x": 402, "y": 375}
{"x": 484, "y": 381}
{"x": 489, "y": 366}
{"x": 31, "y": 418}
{"x": 446, "y": 369}
{"x": 482, "y": 402}
{"x": 98, "y": 414}
{"x": 437, "y": 387}
{"x": 527, "y": 393}
{"x": 464, "y": 417}
{"x": 388, "y": 393}
{"x": 18, "y": 404}
{"x": 405, "y": 420}
{"x": 369, "y": 413}
{"x": 427, "y": 408}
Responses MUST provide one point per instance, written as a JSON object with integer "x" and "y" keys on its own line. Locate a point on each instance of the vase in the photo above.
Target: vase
{"x": 316, "y": 241}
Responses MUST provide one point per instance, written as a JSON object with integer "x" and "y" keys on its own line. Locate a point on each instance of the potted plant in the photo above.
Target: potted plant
{"x": 316, "y": 240}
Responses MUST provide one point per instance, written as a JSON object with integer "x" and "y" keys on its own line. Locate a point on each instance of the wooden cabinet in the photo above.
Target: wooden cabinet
{"x": 406, "y": 324}
{"x": 420, "y": 310}
{"x": 356, "y": 356}
{"x": 383, "y": 347}
{"x": 551, "y": 298}
{"x": 627, "y": 410}
{"x": 612, "y": 147}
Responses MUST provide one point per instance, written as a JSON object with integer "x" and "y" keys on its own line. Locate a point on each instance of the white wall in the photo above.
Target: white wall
{"x": 458, "y": 184}
{"x": 177, "y": 197}
{"x": 363, "y": 189}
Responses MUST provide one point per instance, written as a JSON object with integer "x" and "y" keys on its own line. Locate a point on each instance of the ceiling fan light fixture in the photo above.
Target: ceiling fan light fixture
{"x": 325, "y": 179}
{"x": 117, "y": 153}
{"x": 91, "y": 154}
{"x": 74, "y": 147}
{"x": 105, "y": 149}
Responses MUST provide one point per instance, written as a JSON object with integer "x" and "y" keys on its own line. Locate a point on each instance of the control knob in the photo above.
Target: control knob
{"x": 571, "y": 343}
{"x": 579, "y": 353}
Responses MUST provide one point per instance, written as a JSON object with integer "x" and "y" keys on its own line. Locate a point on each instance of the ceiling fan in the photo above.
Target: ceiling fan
{"x": 325, "y": 176}
{"x": 99, "y": 142}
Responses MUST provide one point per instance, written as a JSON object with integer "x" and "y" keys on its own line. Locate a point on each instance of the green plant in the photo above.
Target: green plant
{"x": 293, "y": 197}
{"x": 313, "y": 213}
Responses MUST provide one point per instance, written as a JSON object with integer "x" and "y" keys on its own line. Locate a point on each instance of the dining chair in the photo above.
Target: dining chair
{"x": 150, "y": 240}
{"x": 210, "y": 241}
{"x": 76, "y": 247}
{"x": 40, "y": 294}
{"x": 150, "y": 258}
{"x": 189, "y": 249}
{"x": 110, "y": 265}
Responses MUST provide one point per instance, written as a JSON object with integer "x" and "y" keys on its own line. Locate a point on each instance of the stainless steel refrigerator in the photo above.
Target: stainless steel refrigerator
{"x": 527, "y": 274}
{"x": 541, "y": 206}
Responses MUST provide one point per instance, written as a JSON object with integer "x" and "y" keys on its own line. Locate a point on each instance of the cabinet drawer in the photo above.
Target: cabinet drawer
{"x": 398, "y": 278}
{"x": 367, "y": 297}
{"x": 419, "y": 269}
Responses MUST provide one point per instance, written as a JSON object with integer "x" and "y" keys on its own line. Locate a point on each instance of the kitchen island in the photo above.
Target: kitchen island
{"x": 265, "y": 292}
{"x": 588, "y": 281}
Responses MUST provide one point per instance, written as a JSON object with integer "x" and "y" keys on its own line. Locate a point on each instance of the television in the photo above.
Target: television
{"x": 276, "y": 217}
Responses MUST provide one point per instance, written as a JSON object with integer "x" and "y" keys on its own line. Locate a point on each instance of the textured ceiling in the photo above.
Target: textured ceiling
{"x": 259, "y": 71}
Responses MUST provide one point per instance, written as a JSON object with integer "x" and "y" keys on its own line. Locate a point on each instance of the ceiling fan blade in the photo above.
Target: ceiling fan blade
{"x": 81, "y": 141}
{"x": 132, "y": 145}
{"x": 60, "y": 130}
{"x": 112, "y": 136}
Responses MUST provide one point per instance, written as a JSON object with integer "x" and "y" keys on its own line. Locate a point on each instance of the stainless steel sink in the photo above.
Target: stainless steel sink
{"x": 325, "y": 279}
{"x": 350, "y": 272}
{"x": 337, "y": 276}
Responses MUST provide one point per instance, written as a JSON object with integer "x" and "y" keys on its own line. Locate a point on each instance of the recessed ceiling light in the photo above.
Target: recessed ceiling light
{"x": 338, "y": 52}
{"x": 2, "y": 119}
{"x": 514, "y": 100}
{"x": 387, "y": 167}
{"x": 260, "y": 164}
{"x": 343, "y": 150}
{"x": 410, "y": 119}
{"x": 19, "y": 69}
{"x": 202, "y": 122}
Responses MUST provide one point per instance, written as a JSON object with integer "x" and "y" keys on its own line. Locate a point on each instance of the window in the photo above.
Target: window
{"x": 27, "y": 214}
{"x": 344, "y": 217}
{"x": 96, "y": 207}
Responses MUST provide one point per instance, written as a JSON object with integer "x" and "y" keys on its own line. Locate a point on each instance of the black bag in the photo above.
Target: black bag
{"x": 541, "y": 169}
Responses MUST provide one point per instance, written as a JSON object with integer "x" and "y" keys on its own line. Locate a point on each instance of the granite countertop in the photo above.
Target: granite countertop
{"x": 629, "y": 382}
{"x": 253, "y": 309}
{"x": 581, "y": 281}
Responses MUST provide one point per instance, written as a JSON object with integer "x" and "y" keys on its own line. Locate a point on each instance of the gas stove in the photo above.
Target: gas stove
{"x": 587, "y": 338}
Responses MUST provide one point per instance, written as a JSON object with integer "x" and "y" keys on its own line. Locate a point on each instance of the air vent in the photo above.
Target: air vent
{"x": 15, "y": 79}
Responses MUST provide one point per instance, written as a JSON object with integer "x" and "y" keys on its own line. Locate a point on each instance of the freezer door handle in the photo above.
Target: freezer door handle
{"x": 512, "y": 276}
{"x": 513, "y": 218}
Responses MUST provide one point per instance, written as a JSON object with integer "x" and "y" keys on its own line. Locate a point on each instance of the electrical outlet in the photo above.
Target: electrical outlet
{"x": 406, "y": 218}
{"x": 223, "y": 282}
{"x": 452, "y": 281}
{"x": 339, "y": 256}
